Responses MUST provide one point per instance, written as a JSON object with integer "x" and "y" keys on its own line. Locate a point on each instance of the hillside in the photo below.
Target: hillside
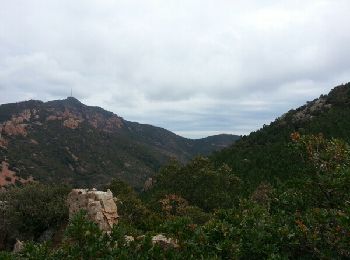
{"x": 265, "y": 155}
{"x": 67, "y": 141}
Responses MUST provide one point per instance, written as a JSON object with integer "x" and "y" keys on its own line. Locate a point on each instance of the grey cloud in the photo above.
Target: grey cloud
{"x": 192, "y": 66}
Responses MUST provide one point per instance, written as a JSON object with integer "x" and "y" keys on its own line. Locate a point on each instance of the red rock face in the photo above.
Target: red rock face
{"x": 113, "y": 123}
{"x": 73, "y": 119}
{"x": 99, "y": 121}
{"x": 14, "y": 128}
{"x": 71, "y": 123}
{"x": 17, "y": 125}
{"x": 70, "y": 120}
{"x": 8, "y": 177}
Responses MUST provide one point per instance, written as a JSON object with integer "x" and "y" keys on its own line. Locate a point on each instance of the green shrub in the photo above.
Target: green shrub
{"x": 33, "y": 208}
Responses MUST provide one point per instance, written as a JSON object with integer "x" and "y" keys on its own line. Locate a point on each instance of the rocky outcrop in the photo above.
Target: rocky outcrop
{"x": 308, "y": 111}
{"x": 17, "y": 125}
{"x": 71, "y": 123}
{"x": 13, "y": 128}
{"x": 113, "y": 123}
{"x": 8, "y": 177}
{"x": 165, "y": 242}
{"x": 99, "y": 205}
{"x": 99, "y": 121}
{"x": 70, "y": 119}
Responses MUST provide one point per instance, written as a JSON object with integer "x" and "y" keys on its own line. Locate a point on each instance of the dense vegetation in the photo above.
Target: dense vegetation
{"x": 266, "y": 155}
{"x": 304, "y": 217}
{"x": 280, "y": 193}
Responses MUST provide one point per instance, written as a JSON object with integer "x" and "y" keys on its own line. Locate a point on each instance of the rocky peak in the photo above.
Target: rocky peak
{"x": 72, "y": 113}
{"x": 73, "y": 100}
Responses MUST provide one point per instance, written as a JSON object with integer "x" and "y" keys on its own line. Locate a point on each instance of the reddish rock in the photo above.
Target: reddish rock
{"x": 71, "y": 123}
{"x": 3, "y": 142}
{"x": 8, "y": 177}
{"x": 13, "y": 128}
{"x": 113, "y": 123}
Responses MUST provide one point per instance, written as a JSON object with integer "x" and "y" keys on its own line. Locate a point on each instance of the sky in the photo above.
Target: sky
{"x": 195, "y": 67}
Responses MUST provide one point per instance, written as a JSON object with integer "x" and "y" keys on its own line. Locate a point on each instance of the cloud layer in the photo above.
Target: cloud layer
{"x": 196, "y": 67}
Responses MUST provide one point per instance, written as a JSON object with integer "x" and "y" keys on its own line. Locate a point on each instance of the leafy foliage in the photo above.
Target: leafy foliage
{"x": 200, "y": 183}
{"x": 30, "y": 210}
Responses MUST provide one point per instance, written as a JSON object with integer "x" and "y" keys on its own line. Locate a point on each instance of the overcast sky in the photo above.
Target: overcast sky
{"x": 195, "y": 67}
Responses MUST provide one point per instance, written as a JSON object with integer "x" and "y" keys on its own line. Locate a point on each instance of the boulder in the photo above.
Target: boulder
{"x": 99, "y": 205}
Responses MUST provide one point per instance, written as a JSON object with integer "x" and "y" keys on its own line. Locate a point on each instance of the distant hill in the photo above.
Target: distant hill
{"x": 264, "y": 155}
{"x": 67, "y": 141}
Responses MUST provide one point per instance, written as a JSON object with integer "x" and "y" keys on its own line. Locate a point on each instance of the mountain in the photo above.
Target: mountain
{"x": 265, "y": 155}
{"x": 67, "y": 141}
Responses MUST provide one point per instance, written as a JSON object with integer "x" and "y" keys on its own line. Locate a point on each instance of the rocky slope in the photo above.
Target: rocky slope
{"x": 265, "y": 155}
{"x": 67, "y": 141}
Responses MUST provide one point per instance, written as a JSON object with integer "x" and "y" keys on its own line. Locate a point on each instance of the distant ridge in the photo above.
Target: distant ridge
{"x": 67, "y": 141}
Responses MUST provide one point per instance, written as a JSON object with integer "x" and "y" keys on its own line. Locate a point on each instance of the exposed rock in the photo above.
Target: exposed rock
{"x": 129, "y": 239}
{"x": 71, "y": 120}
{"x": 14, "y": 128}
{"x": 8, "y": 177}
{"x": 18, "y": 247}
{"x": 148, "y": 184}
{"x": 164, "y": 242}
{"x": 100, "y": 206}
{"x": 113, "y": 123}
{"x": 20, "y": 118}
{"x": 71, "y": 123}
{"x": 306, "y": 112}
{"x": 3, "y": 142}
{"x": 317, "y": 105}
{"x": 97, "y": 120}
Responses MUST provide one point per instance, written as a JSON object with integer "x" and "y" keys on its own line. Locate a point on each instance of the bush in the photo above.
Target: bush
{"x": 131, "y": 209}
{"x": 32, "y": 209}
{"x": 200, "y": 183}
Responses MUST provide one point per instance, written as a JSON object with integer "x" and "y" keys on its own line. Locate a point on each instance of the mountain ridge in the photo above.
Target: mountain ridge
{"x": 52, "y": 140}
{"x": 264, "y": 155}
